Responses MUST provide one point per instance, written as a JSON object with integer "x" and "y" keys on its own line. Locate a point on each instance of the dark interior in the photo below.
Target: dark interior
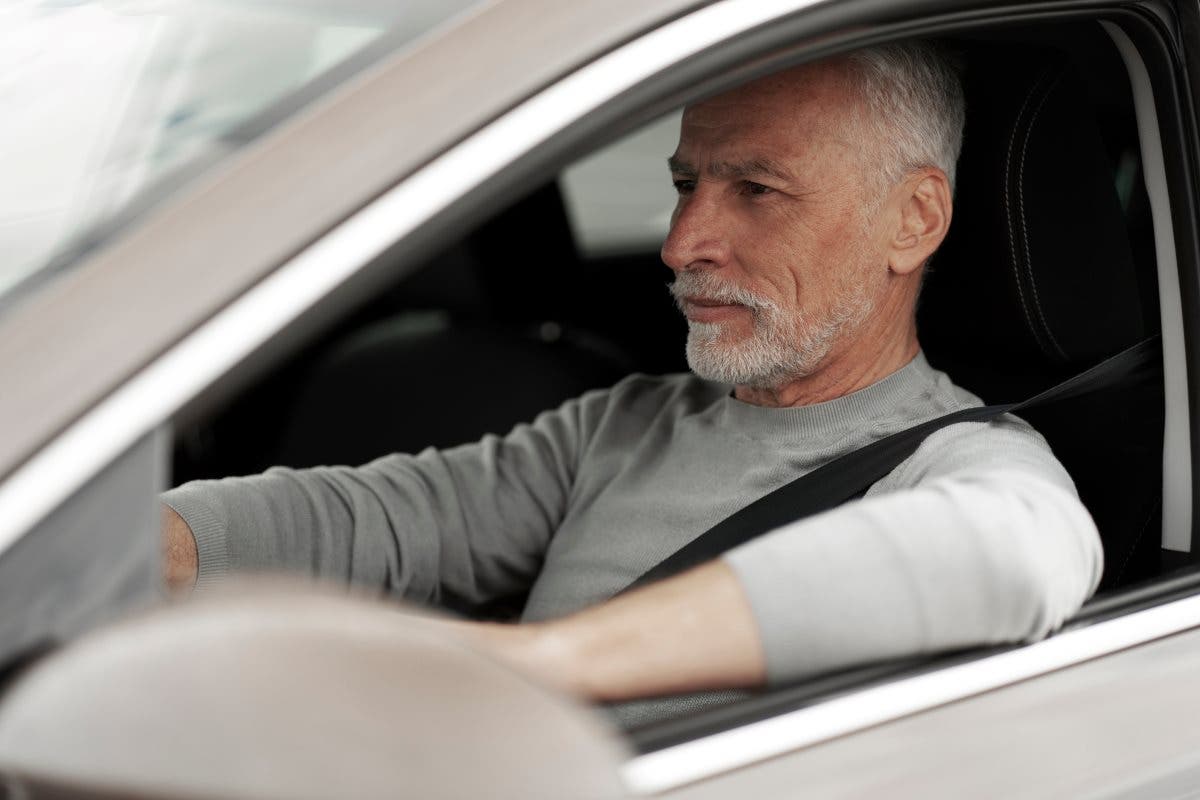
{"x": 1048, "y": 270}
{"x": 508, "y": 322}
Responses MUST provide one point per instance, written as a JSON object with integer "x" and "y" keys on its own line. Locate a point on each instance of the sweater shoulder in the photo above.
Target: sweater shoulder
{"x": 964, "y": 448}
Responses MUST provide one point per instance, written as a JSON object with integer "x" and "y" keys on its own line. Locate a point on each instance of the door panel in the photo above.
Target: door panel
{"x": 93, "y": 559}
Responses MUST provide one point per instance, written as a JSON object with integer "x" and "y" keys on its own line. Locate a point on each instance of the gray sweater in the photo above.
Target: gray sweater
{"x": 977, "y": 538}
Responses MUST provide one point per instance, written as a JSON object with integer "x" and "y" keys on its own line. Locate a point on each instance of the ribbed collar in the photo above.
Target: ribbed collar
{"x": 856, "y": 408}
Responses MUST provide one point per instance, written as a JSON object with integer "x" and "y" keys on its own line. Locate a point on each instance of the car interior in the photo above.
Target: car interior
{"x": 1049, "y": 269}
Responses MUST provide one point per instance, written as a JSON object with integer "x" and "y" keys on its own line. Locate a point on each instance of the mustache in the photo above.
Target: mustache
{"x": 707, "y": 286}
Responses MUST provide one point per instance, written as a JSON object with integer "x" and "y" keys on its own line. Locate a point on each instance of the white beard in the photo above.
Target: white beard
{"x": 781, "y": 348}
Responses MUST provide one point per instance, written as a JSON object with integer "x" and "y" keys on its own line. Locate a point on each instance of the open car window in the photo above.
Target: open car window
{"x": 619, "y": 199}
{"x": 592, "y": 253}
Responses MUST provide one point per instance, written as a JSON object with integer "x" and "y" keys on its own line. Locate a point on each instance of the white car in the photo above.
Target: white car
{"x": 240, "y": 219}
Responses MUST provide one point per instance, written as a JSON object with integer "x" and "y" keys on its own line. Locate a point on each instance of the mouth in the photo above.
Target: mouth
{"x": 703, "y": 309}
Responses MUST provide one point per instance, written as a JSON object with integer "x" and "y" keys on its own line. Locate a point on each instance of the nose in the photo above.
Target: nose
{"x": 697, "y": 239}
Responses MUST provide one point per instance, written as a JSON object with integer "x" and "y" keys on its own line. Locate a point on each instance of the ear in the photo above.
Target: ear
{"x": 925, "y": 207}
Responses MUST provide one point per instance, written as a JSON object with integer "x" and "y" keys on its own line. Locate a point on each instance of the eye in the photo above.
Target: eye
{"x": 684, "y": 185}
{"x": 757, "y": 188}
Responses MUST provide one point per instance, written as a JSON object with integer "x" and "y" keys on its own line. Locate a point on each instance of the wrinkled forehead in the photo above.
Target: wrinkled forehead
{"x": 802, "y": 105}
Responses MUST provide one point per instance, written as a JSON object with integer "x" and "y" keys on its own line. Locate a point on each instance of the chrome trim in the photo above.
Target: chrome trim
{"x": 1177, "y": 454}
{"x": 158, "y": 391}
{"x": 696, "y": 760}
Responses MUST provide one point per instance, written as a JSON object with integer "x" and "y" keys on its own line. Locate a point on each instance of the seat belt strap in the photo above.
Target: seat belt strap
{"x": 850, "y": 475}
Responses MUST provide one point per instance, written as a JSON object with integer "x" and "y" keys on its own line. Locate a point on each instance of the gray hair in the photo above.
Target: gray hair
{"x": 916, "y": 110}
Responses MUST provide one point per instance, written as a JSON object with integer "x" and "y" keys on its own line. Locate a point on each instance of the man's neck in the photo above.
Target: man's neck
{"x": 868, "y": 361}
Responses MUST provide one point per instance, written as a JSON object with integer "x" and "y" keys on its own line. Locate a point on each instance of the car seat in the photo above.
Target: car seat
{"x": 1038, "y": 280}
{"x": 479, "y": 347}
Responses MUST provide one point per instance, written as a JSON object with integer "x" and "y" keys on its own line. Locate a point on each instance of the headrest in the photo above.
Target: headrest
{"x": 1036, "y": 280}
{"x": 500, "y": 271}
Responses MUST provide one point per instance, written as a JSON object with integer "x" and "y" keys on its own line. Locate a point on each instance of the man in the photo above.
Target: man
{"x": 809, "y": 203}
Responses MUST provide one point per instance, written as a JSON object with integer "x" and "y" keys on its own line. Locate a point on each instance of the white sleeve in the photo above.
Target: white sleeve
{"x": 979, "y": 538}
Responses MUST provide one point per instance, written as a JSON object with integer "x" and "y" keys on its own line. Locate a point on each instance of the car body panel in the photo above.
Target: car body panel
{"x": 1035, "y": 739}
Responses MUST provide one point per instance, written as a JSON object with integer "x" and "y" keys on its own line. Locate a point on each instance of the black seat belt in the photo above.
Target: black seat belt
{"x": 849, "y": 476}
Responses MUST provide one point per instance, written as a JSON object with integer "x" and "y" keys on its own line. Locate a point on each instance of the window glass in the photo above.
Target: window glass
{"x": 619, "y": 199}
{"x": 105, "y": 98}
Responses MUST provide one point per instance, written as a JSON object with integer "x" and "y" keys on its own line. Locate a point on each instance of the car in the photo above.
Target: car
{"x": 370, "y": 200}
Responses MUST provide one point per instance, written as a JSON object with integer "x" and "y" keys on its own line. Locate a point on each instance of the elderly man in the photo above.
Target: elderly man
{"x": 809, "y": 203}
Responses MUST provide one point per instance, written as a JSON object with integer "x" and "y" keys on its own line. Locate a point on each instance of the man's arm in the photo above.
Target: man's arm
{"x": 979, "y": 558}
{"x": 455, "y": 527}
{"x": 691, "y": 632}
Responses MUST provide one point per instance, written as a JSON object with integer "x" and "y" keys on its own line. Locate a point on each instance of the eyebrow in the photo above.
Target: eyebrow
{"x": 749, "y": 168}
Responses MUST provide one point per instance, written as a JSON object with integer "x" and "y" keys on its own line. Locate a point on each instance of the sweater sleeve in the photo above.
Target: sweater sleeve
{"x": 979, "y": 538}
{"x": 459, "y": 526}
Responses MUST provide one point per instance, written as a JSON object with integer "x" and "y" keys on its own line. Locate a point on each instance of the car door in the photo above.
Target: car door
{"x": 282, "y": 259}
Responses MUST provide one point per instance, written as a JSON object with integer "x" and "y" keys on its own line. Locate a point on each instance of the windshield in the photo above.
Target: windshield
{"x": 110, "y": 104}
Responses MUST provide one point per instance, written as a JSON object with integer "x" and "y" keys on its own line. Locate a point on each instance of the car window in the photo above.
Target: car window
{"x": 114, "y": 96}
{"x": 619, "y": 199}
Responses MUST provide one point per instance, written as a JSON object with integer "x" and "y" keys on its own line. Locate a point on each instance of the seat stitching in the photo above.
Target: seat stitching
{"x": 1008, "y": 216}
{"x": 1024, "y": 228}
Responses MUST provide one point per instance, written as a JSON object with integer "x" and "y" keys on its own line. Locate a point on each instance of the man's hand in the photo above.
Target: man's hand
{"x": 687, "y": 633}
{"x": 180, "y": 559}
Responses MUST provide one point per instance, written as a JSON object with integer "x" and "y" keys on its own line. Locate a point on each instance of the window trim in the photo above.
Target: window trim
{"x": 1177, "y": 473}
{"x": 708, "y": 756}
